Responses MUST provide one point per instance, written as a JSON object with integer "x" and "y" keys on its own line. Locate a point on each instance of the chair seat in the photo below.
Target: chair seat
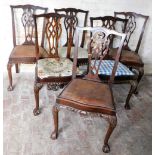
{"x": 107, "y": 66}
{"x": 128, "y": 58}
{"x": 82, "y": 52}
{"x": 25, "y": 53}
{"x": 54, "y": 67}
{"x": 87, "y": 95}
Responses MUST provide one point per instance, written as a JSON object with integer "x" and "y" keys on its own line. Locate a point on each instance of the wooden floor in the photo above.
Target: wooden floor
{"x": 25, "y": 134}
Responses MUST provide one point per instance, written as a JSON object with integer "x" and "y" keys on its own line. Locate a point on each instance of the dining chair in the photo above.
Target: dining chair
{"x": 50, "y": 67}
{"x": 90, "y": 95}
{"x": 79, "y": 19}
{"x": 23, "y": 51}
{"x": 134, "y": 30}
{"x": 123, "y": 74}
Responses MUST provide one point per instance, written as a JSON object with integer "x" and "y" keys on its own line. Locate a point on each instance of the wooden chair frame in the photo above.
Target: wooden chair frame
{"x": 27, "y": 23}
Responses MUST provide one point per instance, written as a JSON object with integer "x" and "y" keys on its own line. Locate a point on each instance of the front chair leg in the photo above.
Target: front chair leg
{"x": 9, "y": 66}
{"x": 112, "y": 120}
{"x": 37, "y": 87}
{"x": 17, "y": 68}
{"x": 132, "y": 90}
{"x": 55, "y": 111}
{"x": 141, "y": 73}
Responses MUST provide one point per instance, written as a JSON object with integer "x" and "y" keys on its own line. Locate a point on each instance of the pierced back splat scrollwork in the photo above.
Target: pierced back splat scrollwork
{"x": 131, "y": 26}
{"x": 53, "y": 32}
{"x": 109, "y": 22}
{"x": 28, "y": 24}
{"x": 71, "y": 23}
{"x": 97, "y": 50}
{"x": 23, "y": 23}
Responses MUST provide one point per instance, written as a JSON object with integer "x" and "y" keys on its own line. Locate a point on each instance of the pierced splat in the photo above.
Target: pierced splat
{"x": 97, "y": 50}
{"x": 53, "y": 32}
{"x": 28, "y": 24}
{"x": 130, "y": 27}
{"x": 133, "y": 20}
{"x": 70, "y": 25}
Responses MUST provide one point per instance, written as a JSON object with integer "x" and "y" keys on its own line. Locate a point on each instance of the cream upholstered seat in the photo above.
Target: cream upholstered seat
{"x": 52, "y": 67}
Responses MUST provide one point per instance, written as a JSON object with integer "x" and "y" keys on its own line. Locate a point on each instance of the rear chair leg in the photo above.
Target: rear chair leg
{"x": 17, "y": 68}
{"x": 141, "y": 73}
{"x": 9, "y": 66}
{"x": 112, "y": 120}
{"x": 55, "y": 112}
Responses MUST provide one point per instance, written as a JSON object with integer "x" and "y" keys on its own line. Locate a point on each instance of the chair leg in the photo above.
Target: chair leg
{"x": 9, "y": 66}
{"x": 141, "y": 73}
{"x": 112, "y": 120}
{"x": 17, "y": 68}
{"x": 37, "y": 87}
{"x": 55, "y": 111}
{"x": 132, "y": 90}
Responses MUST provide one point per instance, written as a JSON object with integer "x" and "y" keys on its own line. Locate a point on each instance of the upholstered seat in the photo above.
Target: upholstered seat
{"x": 127, "y": 57}
{"x": 52, "y": 67}
{"x": 83, "y": 53}
{"x": 100, "y": 98}
{"x": 25, "y": 51}
{"x": 107, "y": 66}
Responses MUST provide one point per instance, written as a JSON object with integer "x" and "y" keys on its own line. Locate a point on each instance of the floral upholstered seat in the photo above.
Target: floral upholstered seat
{"x": 52, "y": 67}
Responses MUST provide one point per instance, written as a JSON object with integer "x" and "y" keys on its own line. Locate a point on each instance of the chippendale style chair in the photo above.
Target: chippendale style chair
{"x": 23, "y": 37}
{"x": 130, "y": 56}
{"x": 89, "y": 94}
{"x": 79, "y": 19}
{"x": 124, "y": 75}
{"x": 50, "y": 68}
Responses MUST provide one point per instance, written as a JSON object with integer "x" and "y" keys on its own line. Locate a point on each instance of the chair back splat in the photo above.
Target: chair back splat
{"x": 98, "y": 48}
{"x": 131, "y": 27}
{"x": 70, "y": 25}
{"x": 26, "y": 20}
{"x": 52, "y": 33}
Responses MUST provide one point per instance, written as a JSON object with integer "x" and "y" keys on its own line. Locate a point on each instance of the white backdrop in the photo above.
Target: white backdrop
{"x": 95, "y": 7}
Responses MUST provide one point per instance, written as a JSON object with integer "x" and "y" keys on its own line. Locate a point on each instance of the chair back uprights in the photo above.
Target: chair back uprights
{"x": 136, "y": 22}
{"x": 23, "y": 23}
{"x": 98, "y": 47}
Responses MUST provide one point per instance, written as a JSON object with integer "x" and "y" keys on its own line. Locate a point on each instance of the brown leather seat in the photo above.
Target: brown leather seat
{"x": 128, "y": 58}
{"x": 101, "y": 98}
{"x": 26, "y": 52}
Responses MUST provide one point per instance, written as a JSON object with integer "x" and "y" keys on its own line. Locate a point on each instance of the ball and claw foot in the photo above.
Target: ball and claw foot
{"x": 127, "y": 107}
{"x": 36, "y": 112}
{"x": 53, "y": 135}
{"x": 10, "y": 88}
{"x": 106, "y": 148}
{"x": 136, "y": 92}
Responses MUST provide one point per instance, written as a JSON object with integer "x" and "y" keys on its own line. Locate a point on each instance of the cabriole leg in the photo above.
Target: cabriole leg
{"x": 132, "y": 90}
{"x": 112, "y": 120}
{"x": 37, "y": 87}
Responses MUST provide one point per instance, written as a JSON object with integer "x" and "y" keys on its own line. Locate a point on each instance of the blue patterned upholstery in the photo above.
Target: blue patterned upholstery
{"x": 107, "y": 66}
